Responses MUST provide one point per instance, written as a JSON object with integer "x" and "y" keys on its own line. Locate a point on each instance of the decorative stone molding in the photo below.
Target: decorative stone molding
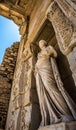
{"x": 64, "y": 29}
{"x": 26, "y": 117}
{"x": 11, "y": 14}
{"x": 69, "y": 9}
{"x": 27, "y": 53}
{"x": 24, "y": 27}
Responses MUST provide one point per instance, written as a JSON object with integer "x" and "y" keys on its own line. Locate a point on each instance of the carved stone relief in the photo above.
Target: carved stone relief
{"x": 64, "y": 29}
{"x": 69, "y": 9}
{"x": 25, "y": 117}
{"x": 23, "y": 27}
{"x": 16, "y": 83}
{"x": 72, "y": 61}
{"x": 12, "y": 124}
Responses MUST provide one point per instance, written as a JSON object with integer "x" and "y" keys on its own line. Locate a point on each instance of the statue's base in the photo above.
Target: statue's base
{"x": 60, "y": 126}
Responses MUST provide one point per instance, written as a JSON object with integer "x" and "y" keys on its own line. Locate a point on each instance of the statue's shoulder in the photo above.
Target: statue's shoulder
{"x": 49, "y": 47}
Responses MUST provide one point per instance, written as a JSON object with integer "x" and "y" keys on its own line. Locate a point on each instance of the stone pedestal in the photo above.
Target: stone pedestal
{"x": 60, "y": 126}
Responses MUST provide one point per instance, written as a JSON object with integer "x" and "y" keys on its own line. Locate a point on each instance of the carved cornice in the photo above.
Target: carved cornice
{"x": 10, "y": 13}
{"x": 15, "y": 7}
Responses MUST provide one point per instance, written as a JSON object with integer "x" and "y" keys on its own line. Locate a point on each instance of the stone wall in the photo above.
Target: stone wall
{"x": 6, "y": 77}
{"x": 5, "y": 89}
{"x": 9, "y": 60}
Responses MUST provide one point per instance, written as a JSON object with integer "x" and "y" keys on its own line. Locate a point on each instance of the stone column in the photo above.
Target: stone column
{"x": 16, "y": 97}
{"x": 30, "y": 115}
{"x": 15, "y": 105}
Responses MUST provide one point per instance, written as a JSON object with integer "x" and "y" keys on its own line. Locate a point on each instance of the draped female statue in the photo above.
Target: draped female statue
{"x": 55, "y": 103}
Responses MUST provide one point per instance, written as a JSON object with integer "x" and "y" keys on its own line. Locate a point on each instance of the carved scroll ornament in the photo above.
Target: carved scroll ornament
{"x": 64, "y": 29}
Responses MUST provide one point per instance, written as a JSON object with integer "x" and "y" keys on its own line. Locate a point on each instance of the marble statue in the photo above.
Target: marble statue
{"x": 55, "y": 103}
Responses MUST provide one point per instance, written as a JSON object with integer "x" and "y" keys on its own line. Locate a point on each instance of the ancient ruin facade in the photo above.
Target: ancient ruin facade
{"x": 55, "y": 22}
{"x": 6, "y": 77}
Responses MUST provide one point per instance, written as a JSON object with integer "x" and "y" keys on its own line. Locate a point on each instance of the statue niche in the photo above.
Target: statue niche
{"x": 55, "y": 103}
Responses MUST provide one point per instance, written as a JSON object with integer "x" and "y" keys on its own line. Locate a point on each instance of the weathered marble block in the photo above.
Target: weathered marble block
{"x": 60, "y": 126}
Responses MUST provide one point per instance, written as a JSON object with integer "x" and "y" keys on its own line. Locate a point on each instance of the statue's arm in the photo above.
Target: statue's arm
{"x": 53, "y": 52}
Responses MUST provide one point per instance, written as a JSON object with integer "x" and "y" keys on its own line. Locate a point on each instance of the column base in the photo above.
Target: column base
{"x": 60, "y": 126}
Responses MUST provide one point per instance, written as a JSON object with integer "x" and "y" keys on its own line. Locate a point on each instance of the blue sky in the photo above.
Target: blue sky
{"x": 8, "y": 34}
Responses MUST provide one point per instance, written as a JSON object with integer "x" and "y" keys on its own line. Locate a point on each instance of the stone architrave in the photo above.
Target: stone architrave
{"x": 64, "y": 29}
